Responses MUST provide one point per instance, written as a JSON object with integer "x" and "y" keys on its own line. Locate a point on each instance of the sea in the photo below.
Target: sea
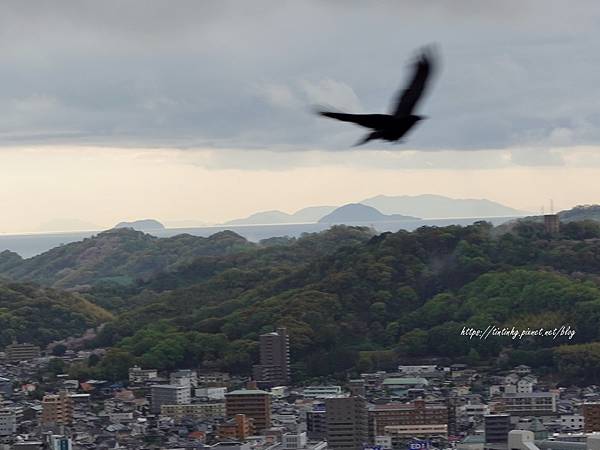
{"x": 31, "y": 244}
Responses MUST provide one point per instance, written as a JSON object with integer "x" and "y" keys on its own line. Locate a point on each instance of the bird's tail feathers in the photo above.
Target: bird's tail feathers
{"x": 366, "y": 138}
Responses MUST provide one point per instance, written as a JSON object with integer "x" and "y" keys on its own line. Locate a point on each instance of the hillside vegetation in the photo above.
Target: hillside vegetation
{"x": 38, "y": 315}
{"x": 352, "y": 300}
{"x": 121, "y": 256}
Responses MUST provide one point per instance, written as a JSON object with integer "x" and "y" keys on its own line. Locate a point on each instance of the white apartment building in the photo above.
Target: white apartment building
{"x": 194, "y": 410}
{"x": 322, "y": 391}
{"x": 169, "y": 394}
{"x": 212, "y": 393}
{"x": 572, "y": 421}
{"x": 530, "y": 404}
{"x": 8, "y": 422}
{"x": 139, "y": 375}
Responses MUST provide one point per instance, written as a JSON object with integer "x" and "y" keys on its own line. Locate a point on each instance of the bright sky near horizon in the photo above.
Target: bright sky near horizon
{"x": 126, "y": 110}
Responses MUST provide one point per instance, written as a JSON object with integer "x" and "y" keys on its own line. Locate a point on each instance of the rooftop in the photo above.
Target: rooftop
{"x": 248, "y": 392}
{"x": 404, "y": 380}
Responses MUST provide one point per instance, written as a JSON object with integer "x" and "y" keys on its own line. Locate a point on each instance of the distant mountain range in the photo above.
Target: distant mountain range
{"x": 426, "y": 206}
{"x": 311, "y": 214}
{"x": 356, "y": 212}
{"x": 429, "y": 206}
{"x": 142, "y": 225}
{"x": 580, "y": 212}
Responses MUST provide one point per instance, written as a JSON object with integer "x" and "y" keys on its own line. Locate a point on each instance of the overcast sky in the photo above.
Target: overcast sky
{"x": 201, "y": 109}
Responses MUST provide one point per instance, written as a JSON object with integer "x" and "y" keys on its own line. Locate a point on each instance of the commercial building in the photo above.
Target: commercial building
{"x": 212, "y": 378}
{"x": 316, "y": 423}
{"x": 254, "y": 403}
{"x": 169, "y": 394}
{"x": 274, "y": 367}
{"x": 8, "y": 422}
{"x": 322, "y": 391}
{"x": 239, "y": 427}
{"x": 411, "y": 370}
{"x": 357, "y": 387}
{"x": 347, "y": 423}
{"x": 529, "y": 404}
{"x": 394, "y": 384}
{"x": 496, "y": 428}
{"x": 574, "y": 422}
{"x": 400, "y": 433}
{"x": 6, "y": 387}
{"x": 591, "y": 417}
{"x": 57, "y": 409}
{"x": 211, "y": 393}
{"x": 139, "y": 375}
{"x": 59, "y": 443}
{"x": 185, "y": 377}
{"x": 195, "y": 410}
{"x": 417, "y": 412}
{"x": 299, "y": 441}
{"x": 22, "y": 352}
{"x": 525, "y": 440}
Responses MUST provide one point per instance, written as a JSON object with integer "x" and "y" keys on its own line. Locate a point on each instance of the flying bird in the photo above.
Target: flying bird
{"x": 391, "y": 127}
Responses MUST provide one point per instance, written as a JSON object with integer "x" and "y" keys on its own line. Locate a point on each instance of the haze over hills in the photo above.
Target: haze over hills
{"x": 580, "y": 212}
{"x": 426, "y": 206}
{"x": 356, "y": 212}
{"x": 142, "y": 225}
{"x": 418, "y": 206}
{"x": 310, "y": 214}
{"x": 586, "y": 214}
{"x": 429, "y": 206}
{"x": 66, "y": 224}
{"x": 120, "y": 255}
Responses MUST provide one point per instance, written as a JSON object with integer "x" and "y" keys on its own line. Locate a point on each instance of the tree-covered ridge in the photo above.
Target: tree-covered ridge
{"x": 581, "y": 212}
{"x": 353, "y": 300}
{"x": 120, "y": 256}
{"x": 38, "y": 315}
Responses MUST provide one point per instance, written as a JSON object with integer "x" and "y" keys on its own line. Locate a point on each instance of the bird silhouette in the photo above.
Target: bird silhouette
{"x": 391, "y": 127}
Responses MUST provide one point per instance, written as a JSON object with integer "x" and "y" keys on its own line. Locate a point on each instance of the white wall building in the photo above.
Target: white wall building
{"x": 8, "y": 422}
{"x": 212, "y": 393}
{"x": 139, "y": 375}
{"x": 322, "y": 391}
{"x": 572, "y": 421}
{"x": 169, "y": 394}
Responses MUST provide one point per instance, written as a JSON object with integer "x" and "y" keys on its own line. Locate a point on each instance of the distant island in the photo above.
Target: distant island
{"x": 426, "y": 206}
{"x": 356, "y": 212}
{"x": 311, "y": 214}
{"x": 430, "y": 206}
{"x": 142, "y": 225}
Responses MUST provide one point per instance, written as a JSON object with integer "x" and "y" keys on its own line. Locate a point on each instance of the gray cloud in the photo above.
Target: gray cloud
{"x": 228, "y": 74}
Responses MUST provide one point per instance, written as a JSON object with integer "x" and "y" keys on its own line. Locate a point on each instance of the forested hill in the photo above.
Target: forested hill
{"x": 37, "y": 315}
{"x": 121, "y": 256}
{"x": 353, "y": 301}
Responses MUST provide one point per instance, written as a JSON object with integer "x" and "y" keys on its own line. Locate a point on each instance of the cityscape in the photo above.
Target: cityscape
{"x": 299, "y": 225}
{"x": 424, "y": 406}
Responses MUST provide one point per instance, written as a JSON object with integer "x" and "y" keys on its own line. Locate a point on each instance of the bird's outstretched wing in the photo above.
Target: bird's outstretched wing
{"x": 375, "y": 121}
{"x": 409, "y": 96}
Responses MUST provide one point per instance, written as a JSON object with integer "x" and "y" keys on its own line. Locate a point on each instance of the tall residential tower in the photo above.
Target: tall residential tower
{"x": 274, "y": 367}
